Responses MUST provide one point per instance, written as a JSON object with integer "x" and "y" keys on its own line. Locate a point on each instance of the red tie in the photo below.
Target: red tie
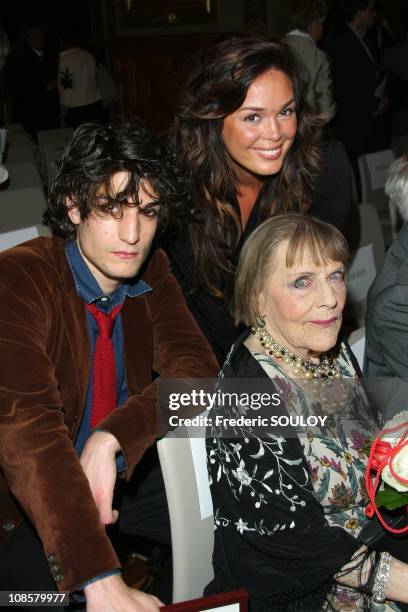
{"x": 104, "y": 369}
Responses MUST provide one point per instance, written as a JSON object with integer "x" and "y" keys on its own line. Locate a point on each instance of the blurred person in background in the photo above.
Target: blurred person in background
{"x": 307, "y": 18}
{"x": 386, "y": 356}
{"x": 33, "y": 82}
{"x": 79, "y": 94}
{"x": 359, "y": 83}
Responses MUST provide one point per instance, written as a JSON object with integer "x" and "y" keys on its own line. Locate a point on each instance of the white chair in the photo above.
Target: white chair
{"x": 52, "y": 152}
{"x": 60, "y": 136}
{"x": 367, "y": 258}
{"x": 11, "y": 239}
{"x": 373, "y": 169}
{"x": 24, "y": 175}
{"x": 18, "y": 138}
{"x": 20, "y": 154}
{"x": 14, "y": 127}
{"x": 356, "y": 341}
{"x": 184, "y": 465}
{"x": 20, "y": 208}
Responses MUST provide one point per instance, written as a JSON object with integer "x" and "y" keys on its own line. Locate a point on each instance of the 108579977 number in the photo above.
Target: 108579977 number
{"x": 33, "y": 598}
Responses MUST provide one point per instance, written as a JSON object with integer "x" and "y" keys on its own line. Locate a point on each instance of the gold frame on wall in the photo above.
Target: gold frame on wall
{"x": 162, "y": 13}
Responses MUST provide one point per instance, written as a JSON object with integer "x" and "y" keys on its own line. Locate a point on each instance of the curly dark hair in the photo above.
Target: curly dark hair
{"x": 215, "y": 86}
{"x": 97, "y": 152}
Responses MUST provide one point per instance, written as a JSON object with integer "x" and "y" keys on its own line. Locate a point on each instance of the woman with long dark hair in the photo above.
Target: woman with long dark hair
{"x": 252, "y": 148}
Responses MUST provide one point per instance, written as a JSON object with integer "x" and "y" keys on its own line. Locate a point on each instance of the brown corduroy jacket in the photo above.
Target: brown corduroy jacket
{"x": 44, "y": 375}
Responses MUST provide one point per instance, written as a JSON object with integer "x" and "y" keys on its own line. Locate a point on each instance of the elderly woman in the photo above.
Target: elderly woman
{"x": 289, "y": 503}
{"x": 386, "y": 356}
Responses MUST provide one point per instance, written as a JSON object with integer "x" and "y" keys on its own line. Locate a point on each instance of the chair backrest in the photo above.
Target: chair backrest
{"x": 14, "y": 127}
{"x": 18, "y": 138}
{"x": 356, "y": 341}
{"x": 20, "y": 208}
{"x": 60, "y": 136}
{"x": 11, "y": 239}
{"x": 184, "y": 465}
{"x": 52, "y": 152}
{"x": 24, "y": 175}
{"x": 373, "y": 169}
{"x": 368, "y": 251}
{"x": 20, "y": 154}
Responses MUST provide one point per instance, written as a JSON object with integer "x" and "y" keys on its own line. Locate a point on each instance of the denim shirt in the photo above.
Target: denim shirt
{"x": 89, "y": 290}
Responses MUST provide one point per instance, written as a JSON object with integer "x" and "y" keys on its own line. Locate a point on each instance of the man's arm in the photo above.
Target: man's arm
{"x": 36, "y": 451}
{"x": 389, "y": 324}
{"x": 386, "y": 354}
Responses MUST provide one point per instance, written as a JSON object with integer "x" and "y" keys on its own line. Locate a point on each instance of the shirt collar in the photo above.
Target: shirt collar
{"x": 89, "y": 290}
{"x": 356, "y": 32}
{"x": 298, "y": 32}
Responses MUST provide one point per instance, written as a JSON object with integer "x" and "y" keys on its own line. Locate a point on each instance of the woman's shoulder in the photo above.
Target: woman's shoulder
{"x": 240, "y": 363}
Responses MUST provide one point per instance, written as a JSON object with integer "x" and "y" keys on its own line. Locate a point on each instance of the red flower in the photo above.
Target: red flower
{"x": 382, "y": 452}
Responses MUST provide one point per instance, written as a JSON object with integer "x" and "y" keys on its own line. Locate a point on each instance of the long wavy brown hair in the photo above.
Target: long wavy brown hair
{"x": 215, "y": 85}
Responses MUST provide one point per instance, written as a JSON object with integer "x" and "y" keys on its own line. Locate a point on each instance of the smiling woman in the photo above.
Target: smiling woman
{"x": 260, "y": 133}
{"x": 252, "y": 148}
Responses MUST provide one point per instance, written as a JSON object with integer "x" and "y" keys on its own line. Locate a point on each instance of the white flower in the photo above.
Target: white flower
{"x": 400, "y": 461}
{"x": 241, "y": 526}
{"x": 400, "y": 467}
{"x": 241, "y": 474}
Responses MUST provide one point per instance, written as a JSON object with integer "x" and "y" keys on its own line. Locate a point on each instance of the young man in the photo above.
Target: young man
{"x": 87, "y": 319}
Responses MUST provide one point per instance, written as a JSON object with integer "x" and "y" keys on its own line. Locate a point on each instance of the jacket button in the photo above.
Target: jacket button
{"x": 8, "y": 525}
{"x": 58, "y": 577}
{"x": 52, "y": 558}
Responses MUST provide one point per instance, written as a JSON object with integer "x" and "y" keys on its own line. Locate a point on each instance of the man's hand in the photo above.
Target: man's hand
{"x": 112, "y": 595}
{"x": 99, "y": 464}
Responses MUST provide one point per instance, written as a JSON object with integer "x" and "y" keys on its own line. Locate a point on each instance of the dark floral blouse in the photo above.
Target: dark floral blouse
{"x": 288, "y": 507}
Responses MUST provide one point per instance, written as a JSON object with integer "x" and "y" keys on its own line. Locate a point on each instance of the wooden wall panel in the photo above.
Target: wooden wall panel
{"x": 149, "y": 73}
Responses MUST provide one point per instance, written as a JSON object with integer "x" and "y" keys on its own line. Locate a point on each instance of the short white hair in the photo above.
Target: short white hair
{"x": 396, "y": 186}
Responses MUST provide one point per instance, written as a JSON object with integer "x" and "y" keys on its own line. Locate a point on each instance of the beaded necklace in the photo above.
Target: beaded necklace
{"x": 327, "y": 368}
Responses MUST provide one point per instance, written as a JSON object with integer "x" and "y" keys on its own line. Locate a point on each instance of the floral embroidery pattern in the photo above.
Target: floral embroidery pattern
{"x": 226, "y": 455}
{"x": 335, "y": 456}
{"x": 259, "y": 471}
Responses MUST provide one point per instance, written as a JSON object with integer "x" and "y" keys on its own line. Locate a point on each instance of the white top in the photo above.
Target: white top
{"x": 77, "y": 84}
